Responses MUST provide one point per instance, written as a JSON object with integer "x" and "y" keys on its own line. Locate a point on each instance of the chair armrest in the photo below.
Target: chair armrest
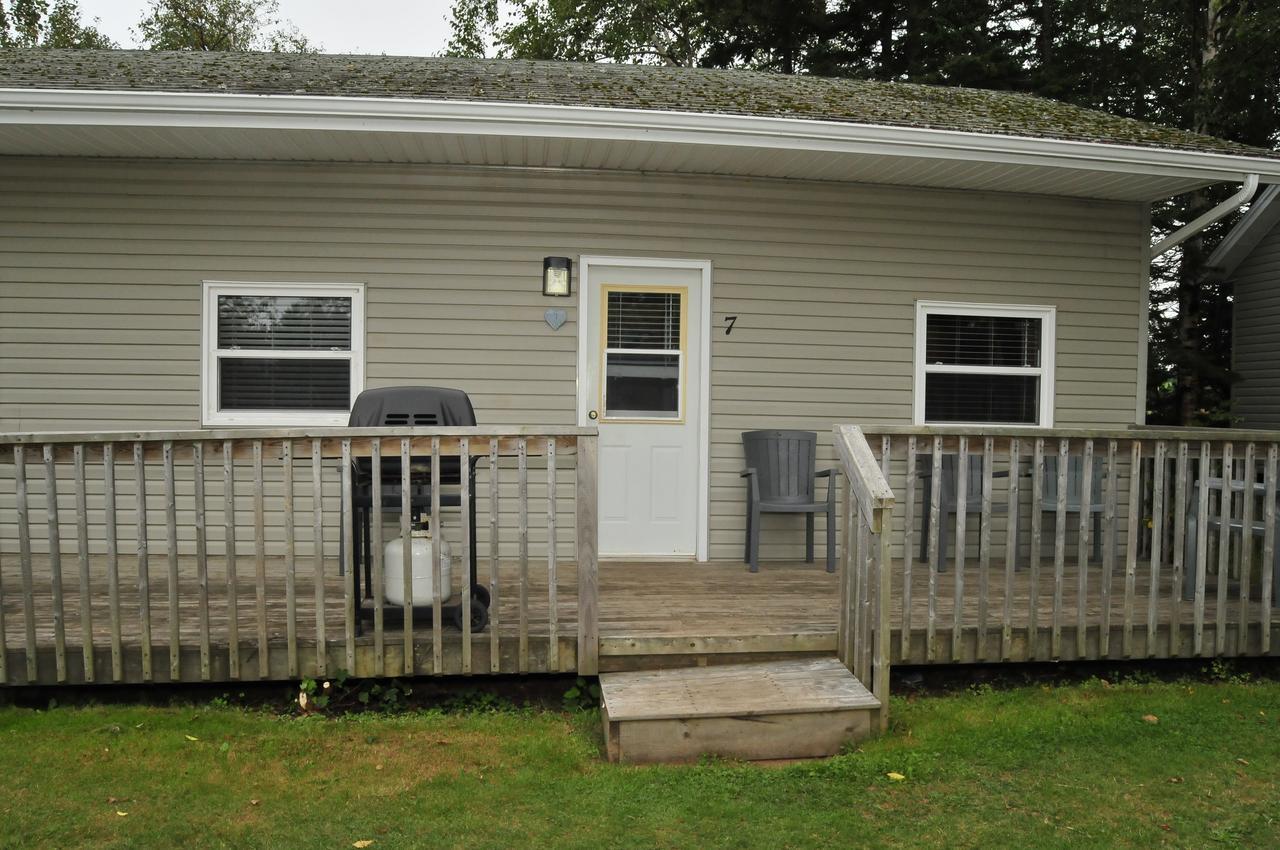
{"x": 826, "y": 473}
{"x": 746, "y": 473}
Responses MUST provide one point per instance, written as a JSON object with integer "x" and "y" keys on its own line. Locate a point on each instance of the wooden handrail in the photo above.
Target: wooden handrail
{"x": 864, "y": 631}
{"x": 871, "y": 490}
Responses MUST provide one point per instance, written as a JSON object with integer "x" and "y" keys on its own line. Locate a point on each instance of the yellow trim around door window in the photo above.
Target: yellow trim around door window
{"x": 602, "y": 339}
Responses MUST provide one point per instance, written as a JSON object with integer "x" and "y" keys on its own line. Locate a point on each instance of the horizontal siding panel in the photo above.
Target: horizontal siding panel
{"x": 101, "y": 264}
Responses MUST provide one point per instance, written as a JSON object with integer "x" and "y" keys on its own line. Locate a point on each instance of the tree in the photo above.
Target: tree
{"x": 219, "y": 25}
{"x": 34, "y": 23}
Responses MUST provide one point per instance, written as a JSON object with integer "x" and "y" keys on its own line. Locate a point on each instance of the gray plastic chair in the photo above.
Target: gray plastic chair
{"x": 781, "y": 478}
{"x": 1235, "y": 527}
{"x": 949, "y": 500}
{"x": 1075, "y": 482}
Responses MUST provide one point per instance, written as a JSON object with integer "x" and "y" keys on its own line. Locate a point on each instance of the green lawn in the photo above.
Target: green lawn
{"x": 1082, "y": 765}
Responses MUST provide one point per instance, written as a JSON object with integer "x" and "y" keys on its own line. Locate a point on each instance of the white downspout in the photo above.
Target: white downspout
{"x": 1223, "y": 209}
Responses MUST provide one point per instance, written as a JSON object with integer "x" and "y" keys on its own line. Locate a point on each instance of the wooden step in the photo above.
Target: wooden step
{"x": 807, "y": 708}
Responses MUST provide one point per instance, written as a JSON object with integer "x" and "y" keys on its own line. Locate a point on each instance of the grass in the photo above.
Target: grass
{"x": 1067, "y": 766}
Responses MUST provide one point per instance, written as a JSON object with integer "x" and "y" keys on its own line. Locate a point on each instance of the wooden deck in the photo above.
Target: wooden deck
{"x": 651, "y": 614}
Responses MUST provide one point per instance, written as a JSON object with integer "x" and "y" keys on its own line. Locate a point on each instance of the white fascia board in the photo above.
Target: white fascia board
{"x": 399, "y": 115}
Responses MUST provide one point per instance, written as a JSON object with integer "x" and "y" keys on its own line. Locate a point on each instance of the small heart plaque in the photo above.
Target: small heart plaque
{"x": 555, "y": 318}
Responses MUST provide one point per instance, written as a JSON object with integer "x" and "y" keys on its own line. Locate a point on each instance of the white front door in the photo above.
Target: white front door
{"x": 642, "y": 385}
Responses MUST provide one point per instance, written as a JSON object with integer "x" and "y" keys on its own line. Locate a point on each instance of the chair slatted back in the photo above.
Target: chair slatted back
{"x": 784, "y": 461}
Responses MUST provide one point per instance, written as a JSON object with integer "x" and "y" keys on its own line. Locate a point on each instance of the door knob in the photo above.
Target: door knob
{"x": 593, "y": 415}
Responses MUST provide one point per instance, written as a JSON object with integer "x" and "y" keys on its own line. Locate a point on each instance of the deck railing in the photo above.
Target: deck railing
{"x": 193, "y": 509}
{"x": 1080, "y": 544}
{"x": 863, "y": 631}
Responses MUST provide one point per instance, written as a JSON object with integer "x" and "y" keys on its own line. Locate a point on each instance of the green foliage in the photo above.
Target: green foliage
{"x": 583, "y": 695}
{"x": 219, "y": 25}
{"x": 342, "y": 694}
{"x": 36, "y": 23}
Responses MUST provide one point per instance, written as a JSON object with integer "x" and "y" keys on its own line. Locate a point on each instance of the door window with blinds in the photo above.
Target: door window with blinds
{"x": 282, "y": 353}
{"x": 643, "y": 353}
{"x": 984, "y": 364}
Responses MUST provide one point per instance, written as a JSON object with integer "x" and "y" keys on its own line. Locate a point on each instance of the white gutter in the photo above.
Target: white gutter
{"x": 1230, "y": 205}
{"x": 397, "y": 115}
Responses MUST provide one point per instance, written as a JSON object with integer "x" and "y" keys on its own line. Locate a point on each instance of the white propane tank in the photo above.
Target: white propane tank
{"x": 393, "y": 569}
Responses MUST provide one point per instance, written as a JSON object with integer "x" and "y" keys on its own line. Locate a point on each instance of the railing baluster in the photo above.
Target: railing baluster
{"x": 1033, "y": 555}
{"x": 1248, "y": 493}
{"x": 495, "y": 620}
{"x": 1011, "y": 553}
{"x": 144, "y": 570}
{"x": 202, "y": 556}
{"x": 1133, "y": 530}
{"x": 229, "y": 535}
{"x": 290, "y": 558}
{"x": 260, "y": 561}
{"x": 171, "y": 546}
{"x": 984, "y": 545}
{"x": 1224, "y": 555}
{"x": 935, "y": 523}
{"x": 464, "y": 477}
{"x": 845, "y": 635}
{"x": 317, "y": 556}
{"x": 588, "y": 577}
{"x": 437, "y": 563}
{"x": 376, "y": 555}
{"x": 406, "y": 557}
{"x": 1179, "y": 556}
{"x": 908, "y": 545}
{"x": 864, "y": 601}
{"x": 55, "y": 564}
{"x": 962, "y": 505}
{"x": 1109, "y": 531}
{"x": 522, "y": 500}
{"x": 1268, "y": 547}
{"x": 1083, "y": 542}
{"x": 113, "y": 558}
{"x": 1202, "y": 549}
{"x": 553, "y": 638}
{"x": 1059, "y": 548}
{"x": 352, "y": 582}
{"x": 1157, "y": 543}
{"x": 82, "y": 552}
{"x": 24, "y": 562}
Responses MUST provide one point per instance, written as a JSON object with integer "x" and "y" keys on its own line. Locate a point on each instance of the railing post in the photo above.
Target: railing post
{"x": 884, "y": 632}
{"x": 588, "y": 578}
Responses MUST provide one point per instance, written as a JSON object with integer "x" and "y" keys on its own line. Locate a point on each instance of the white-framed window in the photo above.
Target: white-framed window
{"x": 281, "y": 353}
{"x": 984, "y": 364}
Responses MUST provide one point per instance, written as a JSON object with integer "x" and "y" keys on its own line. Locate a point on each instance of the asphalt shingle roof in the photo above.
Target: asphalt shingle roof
{"x": 700, "y": 90}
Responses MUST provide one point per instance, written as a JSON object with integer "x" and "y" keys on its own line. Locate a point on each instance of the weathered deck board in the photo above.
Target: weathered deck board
{"x": 648, "y": 611}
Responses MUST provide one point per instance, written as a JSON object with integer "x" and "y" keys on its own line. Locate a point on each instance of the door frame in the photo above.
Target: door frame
{"x": 585, "y": 264}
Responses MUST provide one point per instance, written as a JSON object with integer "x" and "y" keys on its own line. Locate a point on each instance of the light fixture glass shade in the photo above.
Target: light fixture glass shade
{"x": 556, "y": 276}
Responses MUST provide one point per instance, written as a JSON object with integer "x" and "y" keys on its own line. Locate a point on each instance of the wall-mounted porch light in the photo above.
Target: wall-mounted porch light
{"x": 555, "y": 276}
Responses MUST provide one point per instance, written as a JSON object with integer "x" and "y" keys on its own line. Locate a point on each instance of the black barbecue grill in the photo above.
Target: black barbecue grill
{"x": 416, "y": 407}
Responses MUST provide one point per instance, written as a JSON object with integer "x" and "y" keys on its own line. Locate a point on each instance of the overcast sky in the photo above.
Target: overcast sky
{"x": 395, "y": 27}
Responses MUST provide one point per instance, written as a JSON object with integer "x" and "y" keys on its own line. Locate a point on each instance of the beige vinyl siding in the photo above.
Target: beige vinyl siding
{"x": 1255, "y": 398}
{"x": 101, "y": 264}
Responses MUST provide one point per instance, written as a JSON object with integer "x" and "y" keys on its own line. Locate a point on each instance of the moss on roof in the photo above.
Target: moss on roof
{"x": 730, "y": 92}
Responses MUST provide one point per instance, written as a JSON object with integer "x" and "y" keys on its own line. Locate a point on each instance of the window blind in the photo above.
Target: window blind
{"x": 643, "y": 320}
{"x": 275, "y": 322}
{"x": 957, "y": 340}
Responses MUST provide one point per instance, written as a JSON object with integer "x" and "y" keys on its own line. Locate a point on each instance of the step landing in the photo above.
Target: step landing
{"x": 803, "y": 708}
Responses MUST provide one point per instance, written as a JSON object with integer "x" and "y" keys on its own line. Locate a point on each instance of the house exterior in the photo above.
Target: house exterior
{"x": 198, "y": 241}
{"x": 1249, "y": 258}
